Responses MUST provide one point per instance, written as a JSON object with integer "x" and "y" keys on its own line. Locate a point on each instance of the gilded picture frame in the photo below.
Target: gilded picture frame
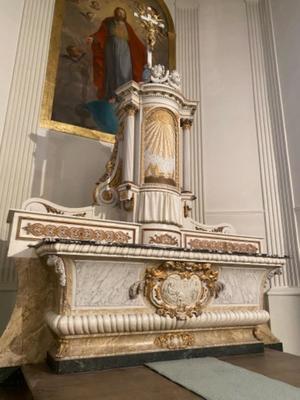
{"x": 60, "y": 27}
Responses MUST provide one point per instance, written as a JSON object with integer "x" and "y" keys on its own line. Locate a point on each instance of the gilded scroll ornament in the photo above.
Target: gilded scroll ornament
{"x": 74, "y": 233}
{"x": 181, "y": 289}
{"x": 105, "y": 191}
{"x": 175, "y": 341}
{"x": 164, "y": 239}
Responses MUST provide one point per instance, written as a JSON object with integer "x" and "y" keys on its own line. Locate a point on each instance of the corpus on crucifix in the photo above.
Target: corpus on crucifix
{"x": 154, "y": 26}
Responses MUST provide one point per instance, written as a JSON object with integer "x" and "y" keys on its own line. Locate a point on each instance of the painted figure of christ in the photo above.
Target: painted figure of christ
{"x": 118, "y": 55}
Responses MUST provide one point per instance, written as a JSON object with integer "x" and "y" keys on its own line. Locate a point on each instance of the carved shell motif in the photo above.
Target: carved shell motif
{"x": 160, "y": 136}
{"x": 160, "y": 146}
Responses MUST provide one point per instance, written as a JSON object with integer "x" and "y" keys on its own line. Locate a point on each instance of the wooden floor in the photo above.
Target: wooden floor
{"x": 139, "y": 382}
{"x": 274, "y": 364}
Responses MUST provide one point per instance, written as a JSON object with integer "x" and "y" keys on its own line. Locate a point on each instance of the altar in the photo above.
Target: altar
{"x": 133, "y": 278}
{"x": 117, "y": 301}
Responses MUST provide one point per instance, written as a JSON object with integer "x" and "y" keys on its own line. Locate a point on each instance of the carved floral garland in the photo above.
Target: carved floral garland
{"x": 223, "y": 246}
{"x": 74, "y": 233}
{"x": 164, "y": 239}
{"x": 175, "y": 341}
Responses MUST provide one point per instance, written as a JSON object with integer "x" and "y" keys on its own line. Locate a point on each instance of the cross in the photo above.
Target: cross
{"x": 153, "y": 24}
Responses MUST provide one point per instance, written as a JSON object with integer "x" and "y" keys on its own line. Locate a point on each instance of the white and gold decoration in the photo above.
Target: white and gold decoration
{"x": 144, "y": 277}
{"x": 160, "y": 147}
{"x": 181, "y": 289}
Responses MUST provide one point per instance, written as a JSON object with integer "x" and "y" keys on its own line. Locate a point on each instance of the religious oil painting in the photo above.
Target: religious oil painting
{"x": 97, "y": 46}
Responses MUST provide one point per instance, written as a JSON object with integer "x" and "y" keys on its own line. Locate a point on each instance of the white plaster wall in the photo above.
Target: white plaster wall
{"x": 35, "y": 162}
{"x": 232, "y": 184}
{"x": 284, "y": 306}
{"x": 66, "y": 167}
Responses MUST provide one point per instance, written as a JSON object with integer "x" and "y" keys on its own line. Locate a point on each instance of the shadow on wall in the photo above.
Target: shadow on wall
{"x": 7, "y": 297}
{"x": 8, "y": 288}
{"x": 66, "y": 167}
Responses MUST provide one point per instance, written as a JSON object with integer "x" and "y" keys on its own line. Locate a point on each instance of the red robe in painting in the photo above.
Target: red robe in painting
{"x": 137, "y": 52}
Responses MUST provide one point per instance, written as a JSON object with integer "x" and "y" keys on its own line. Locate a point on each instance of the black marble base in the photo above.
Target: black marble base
{"x": 275, "y": 346}
{"x": 11, "y": 376}
{"x": 130, "y": 360}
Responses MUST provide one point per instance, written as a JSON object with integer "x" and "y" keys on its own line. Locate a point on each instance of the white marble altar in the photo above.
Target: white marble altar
{"x": 145, "y": 279}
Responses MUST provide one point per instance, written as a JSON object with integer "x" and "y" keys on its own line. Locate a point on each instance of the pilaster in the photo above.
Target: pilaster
{"x": 188, "y": 63}
{"x": 128, "y": 166}
{"x": 270, "y": 189}
{"x": 186, "y": 125}
{"x": 17, "y": 148}
{"x": 275, "y": 173}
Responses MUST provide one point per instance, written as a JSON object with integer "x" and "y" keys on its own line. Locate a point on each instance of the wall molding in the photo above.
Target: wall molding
{"x": 17, "y": 148}
{"x": 269, "y": 180}
{"x": 280, "y": 221}
{"x": 234, "y": 212}
{"x": 284, "y": 291}
{"x": 187, "y": 17}
{"x": 8, "y": 287}
{"x": 286, "y": 199}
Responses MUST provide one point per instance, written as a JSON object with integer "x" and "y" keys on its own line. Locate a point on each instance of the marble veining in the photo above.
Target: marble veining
{"x": 241, "y": 286}
{"x": 106, "y": 283}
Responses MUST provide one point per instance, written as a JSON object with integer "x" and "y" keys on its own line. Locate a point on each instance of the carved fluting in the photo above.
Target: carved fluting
{"x": 59, "y": 268}
{"x": 17, "y": 152}
{"x": 175, "y": 341}
{"x": 188, "y": 47}
{"x": 74, "y": 233}
{"x": 128, "y": 145}
{"x": 186, "y": 125}
{"x": 291, "y": 274}
{"x": 181, "y": 289}
{"x": 165, "y": 239}
{"x": 265, "y": 127}
{"x": 65, "y": 325}
{"x": 225, "y": 246}
{"x": 156, "y": 254}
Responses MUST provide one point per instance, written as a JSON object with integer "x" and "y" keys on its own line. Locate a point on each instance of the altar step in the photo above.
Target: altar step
{"x": 114, "y": 384}
{"x": 141, "y": 382}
